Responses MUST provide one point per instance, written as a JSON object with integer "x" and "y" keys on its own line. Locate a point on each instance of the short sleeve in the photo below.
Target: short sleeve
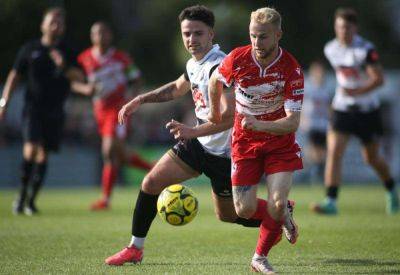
{"x": 225, "y": 70}
{"x": 372, "y": 56}
{"x": 213, "y": 68}
{"x": 21, "y": 62}
{"x": 294, "y": 91}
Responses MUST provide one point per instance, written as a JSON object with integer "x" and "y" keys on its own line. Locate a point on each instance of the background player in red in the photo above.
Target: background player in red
{"x": 356, "y": 109}
{"x": 108, "y": 73}
{"x": 269, "y": 91}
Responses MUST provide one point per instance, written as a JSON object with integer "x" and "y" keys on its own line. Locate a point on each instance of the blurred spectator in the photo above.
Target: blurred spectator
{"x": 315, "y": 118}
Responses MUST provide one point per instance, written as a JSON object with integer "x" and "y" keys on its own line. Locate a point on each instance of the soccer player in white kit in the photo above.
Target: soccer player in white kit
{"x": 355, "y": 109}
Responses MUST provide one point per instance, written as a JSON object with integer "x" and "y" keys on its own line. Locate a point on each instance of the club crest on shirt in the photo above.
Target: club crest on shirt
{"x": 298, "y": 83}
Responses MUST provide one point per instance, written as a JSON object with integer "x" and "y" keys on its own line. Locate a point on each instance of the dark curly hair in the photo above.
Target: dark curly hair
{"x": 198, "y": 13}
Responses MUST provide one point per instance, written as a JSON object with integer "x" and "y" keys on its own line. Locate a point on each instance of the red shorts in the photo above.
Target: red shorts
{"x": 251, "y": 158}
{"x": 107, "y": 122}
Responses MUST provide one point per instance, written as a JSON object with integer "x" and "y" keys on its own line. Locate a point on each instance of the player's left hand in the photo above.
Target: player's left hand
{"x": 179, "y": 130}
{"x": 249, "y": 122}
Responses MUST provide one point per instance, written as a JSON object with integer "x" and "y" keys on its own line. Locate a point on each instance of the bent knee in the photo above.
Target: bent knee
{"x": 245, "y": 211}
{"x": 223, "y": 217}
{"x": 151, "y": 186}
{"x": 278, "y": 207}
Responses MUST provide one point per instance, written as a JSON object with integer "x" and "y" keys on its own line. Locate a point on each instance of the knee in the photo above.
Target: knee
{"x": 107, "y": 156}
{"x": 245, "y": 211}
{"x": 225, "y": 214}
{"x": 278, "y": 207}
{"x": 150, "y": 185}
{"x": 225, "y": 217}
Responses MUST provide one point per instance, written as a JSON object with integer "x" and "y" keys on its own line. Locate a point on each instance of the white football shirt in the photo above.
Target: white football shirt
{"x": 349, "y": 64}
{"x": 199, "y": 73}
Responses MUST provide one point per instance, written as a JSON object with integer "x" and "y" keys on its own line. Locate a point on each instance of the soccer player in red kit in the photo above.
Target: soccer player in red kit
{"x": 108, "y": 72}
{"x": 269, "y": 90}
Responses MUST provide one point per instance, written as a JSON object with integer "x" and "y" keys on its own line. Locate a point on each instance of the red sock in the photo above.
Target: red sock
{"x": 108, "y": 179}
{"x": 136, "y": 161}
{"x": 261, "y": 210}
{"x": 270, "y": 230}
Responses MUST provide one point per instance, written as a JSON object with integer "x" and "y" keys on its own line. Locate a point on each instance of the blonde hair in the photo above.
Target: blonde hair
{"x": 267, "y": 16}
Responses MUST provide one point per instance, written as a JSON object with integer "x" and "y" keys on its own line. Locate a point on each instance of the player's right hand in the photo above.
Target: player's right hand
{"x": 128, "y": 109}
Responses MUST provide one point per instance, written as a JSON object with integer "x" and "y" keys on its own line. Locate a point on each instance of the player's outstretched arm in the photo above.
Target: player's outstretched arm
{"x": 286, "y": 125}
{"x": 11, "y": 82}
{"x": 165, "y": 93}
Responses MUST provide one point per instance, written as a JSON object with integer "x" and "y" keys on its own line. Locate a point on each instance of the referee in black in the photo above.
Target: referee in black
{"x": 46, "y": 65}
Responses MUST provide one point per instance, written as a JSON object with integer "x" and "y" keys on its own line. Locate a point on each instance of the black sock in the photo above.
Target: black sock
{"x": 389, "y": 184}
{"x": 37, "y": 180}
{"x": 248, "y": 222}
{"x": 144, "y": 214}
{"x": 26, "y": 174}
{"x": 332, "y": 192}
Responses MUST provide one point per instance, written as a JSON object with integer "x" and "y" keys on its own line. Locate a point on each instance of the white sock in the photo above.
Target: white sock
{"x": 138, "y": 242}
{"x": 256, "y": 256}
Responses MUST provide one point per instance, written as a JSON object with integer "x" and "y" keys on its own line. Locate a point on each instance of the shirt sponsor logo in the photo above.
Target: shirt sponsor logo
{"x": 246, "y": 95}
{"x": 298, "y": 92}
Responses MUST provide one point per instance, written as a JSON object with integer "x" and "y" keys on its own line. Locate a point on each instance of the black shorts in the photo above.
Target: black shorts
{"x": 44, "y": 129}
{"x": 317, "y": 138}
{"x": 191, "y": 155}
{"x": 366, "y": 126}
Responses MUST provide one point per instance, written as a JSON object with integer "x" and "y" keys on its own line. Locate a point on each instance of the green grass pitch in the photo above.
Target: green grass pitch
{"x": 67, "y": 238}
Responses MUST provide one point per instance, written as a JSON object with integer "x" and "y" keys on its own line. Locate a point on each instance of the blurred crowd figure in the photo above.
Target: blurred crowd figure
{"x": 315, "y": 118}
